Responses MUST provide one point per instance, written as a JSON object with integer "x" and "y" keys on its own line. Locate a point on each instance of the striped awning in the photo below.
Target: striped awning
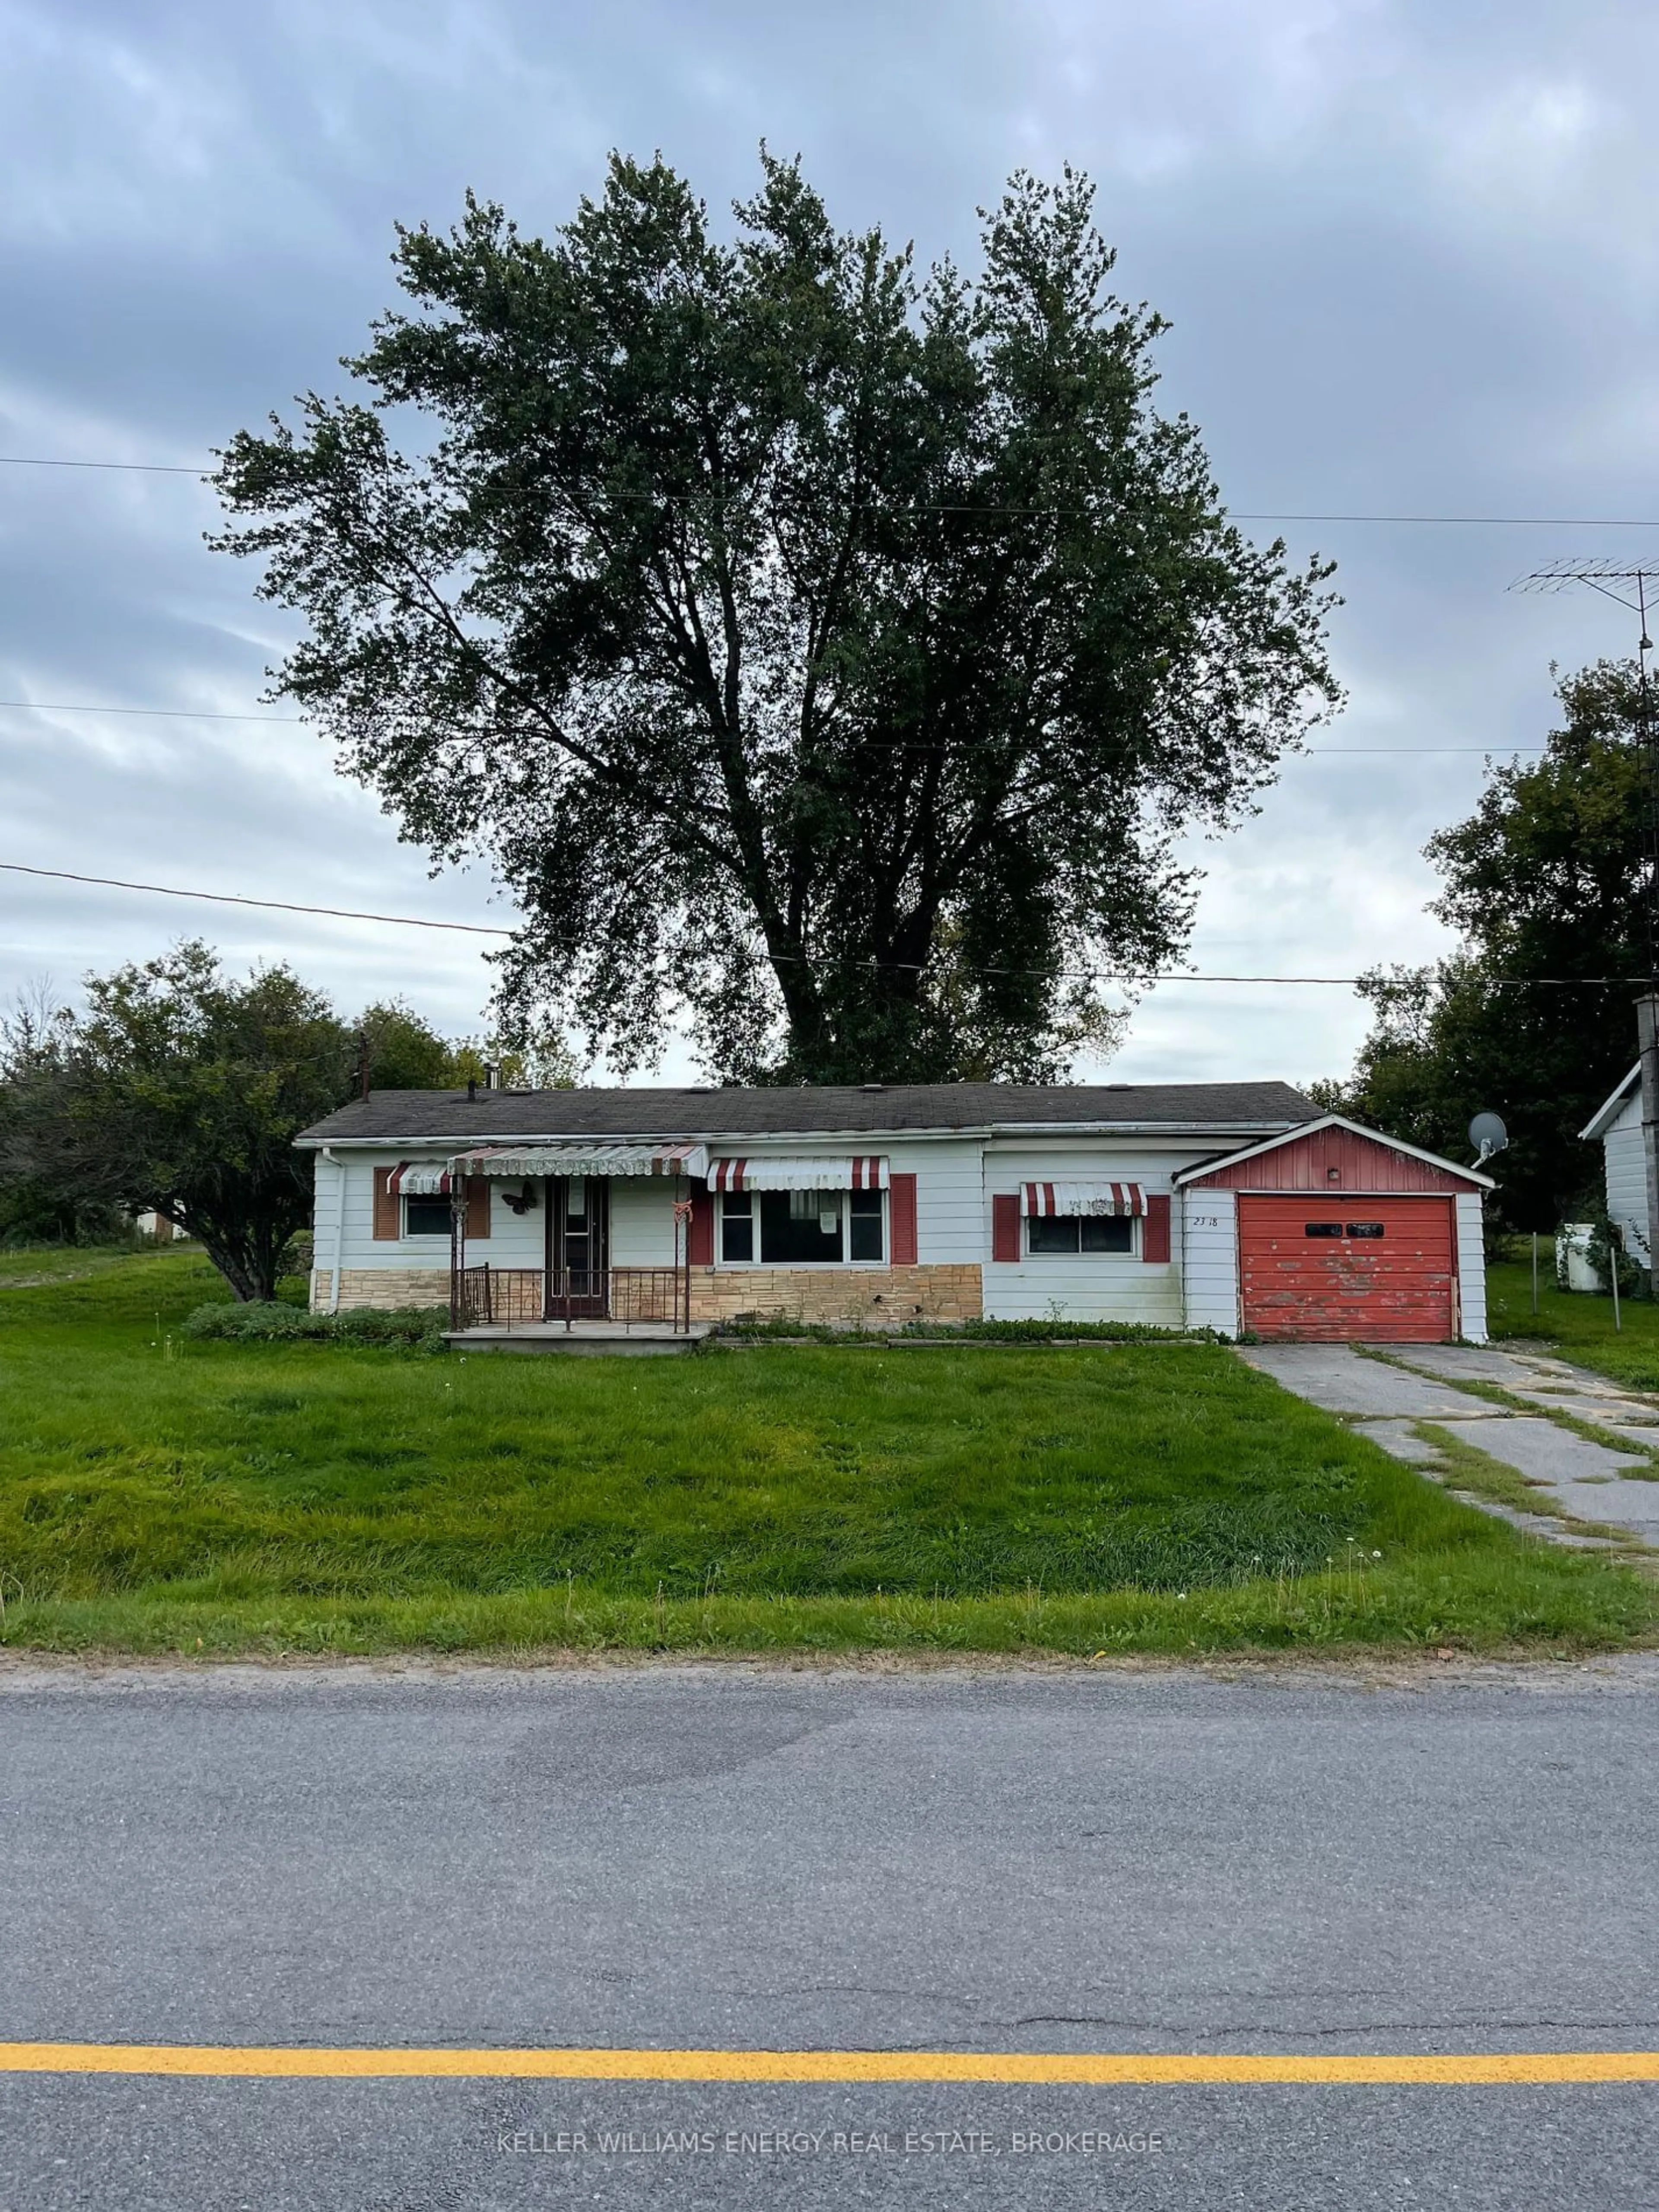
{"x": 418, "y": 1179}
{"x": 782, "y": 1171}
{"x": 521, "y": 1160}
{"x": 1045, "y": 1198}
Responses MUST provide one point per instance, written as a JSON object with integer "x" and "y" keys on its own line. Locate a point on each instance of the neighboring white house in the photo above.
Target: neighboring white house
{"x": 1618, "y": 1124}
{"x": 1231, "y": 1205}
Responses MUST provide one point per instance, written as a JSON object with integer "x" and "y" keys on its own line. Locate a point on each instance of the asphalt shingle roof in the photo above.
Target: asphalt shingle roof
{"x": 888, "y": 1109}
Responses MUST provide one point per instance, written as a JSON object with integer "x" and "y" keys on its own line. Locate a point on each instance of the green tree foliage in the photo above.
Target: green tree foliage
{"x": 401, "y": 1050}
{"x": 38, "y": 1203}
{"x": 404, "y": 1052}
{"x": 1547, "y": 878}
{"x": 184, "y": 1093}
{"x": 181, "y": 1090}
{"x": 834, "y": 649}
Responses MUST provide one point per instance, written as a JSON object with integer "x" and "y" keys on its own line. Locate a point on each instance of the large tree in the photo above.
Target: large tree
{"x": 833, "y": 650}
{"x": 180, "y": 1089}
{"x": 1547, "y": 886}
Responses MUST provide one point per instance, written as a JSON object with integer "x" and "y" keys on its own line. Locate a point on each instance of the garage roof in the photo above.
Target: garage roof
{"x": 1206, "y": 1167}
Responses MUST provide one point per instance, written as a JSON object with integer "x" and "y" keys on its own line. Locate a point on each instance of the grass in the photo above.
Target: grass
{"x": 24, "y": 1266}
{"x": 1577, "y": 1323}
{"x": 164, "y": 1494}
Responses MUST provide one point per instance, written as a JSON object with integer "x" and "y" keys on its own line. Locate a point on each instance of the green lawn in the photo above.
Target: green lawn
{"x": 158, "y": 1493}
{"x": 1578, "y": 1323}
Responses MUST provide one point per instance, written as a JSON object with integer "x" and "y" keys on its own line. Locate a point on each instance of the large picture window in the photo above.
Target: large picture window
{"x": 1075, "y": 1235}
{"x": 802, "y": 1228}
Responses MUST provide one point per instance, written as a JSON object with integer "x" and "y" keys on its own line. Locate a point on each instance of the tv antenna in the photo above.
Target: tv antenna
{"x": 1634, "y": 584}
{"x": 1636, "y": 587}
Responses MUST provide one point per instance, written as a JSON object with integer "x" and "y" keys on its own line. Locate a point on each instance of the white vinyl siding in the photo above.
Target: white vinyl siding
{"x": 1626, "y": 1178}
{"x": 1210, "y": 1219}
{"x": 950, "y": 1226}
{"x": 1095, "y": 1285}
{"x": 1471, "y": 1268}
{"x": 642, "y": 1219}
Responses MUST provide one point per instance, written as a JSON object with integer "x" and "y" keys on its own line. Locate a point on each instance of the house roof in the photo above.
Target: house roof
{"x": 1605, "y": 1116}
{"x": 1202, "y": 1110}
{"x": 1202, "y": 1168}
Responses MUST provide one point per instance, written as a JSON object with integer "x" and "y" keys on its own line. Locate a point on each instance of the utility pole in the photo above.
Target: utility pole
{"x": 1633, "y": 587}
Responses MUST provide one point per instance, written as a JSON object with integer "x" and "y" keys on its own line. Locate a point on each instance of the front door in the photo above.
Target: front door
{"x": 579, "y": 1253}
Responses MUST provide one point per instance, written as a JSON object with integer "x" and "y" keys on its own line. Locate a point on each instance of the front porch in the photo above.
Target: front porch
{"x": 568, "y": 1309}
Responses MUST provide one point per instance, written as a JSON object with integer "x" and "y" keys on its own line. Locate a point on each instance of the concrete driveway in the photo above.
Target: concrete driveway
{"x": 1390, "y": 1397}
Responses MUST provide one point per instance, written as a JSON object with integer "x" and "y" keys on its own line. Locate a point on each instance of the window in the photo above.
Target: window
{"x": 1322, "y": 1229}
{"x": 737, "y": 1225}
{"x": 1077, "y": 1233}
{"x": 426, "y": 1217}
{"x": 802, "y": 1228}
{"x": 864, "y": 1224}
{"x": 1364, "y": 1229}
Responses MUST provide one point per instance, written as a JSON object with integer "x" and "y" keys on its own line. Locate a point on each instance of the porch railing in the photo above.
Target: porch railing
{"x": 487, "y": 1296}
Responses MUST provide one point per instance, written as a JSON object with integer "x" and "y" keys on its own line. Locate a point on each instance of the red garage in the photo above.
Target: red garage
{"x": 1335, "y": 1234}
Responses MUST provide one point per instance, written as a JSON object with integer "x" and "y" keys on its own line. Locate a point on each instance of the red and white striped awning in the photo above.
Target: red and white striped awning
{"x": 845, "y": 1171}
{"x": 1045, "y": 1198}
{"x": 434, "y": 1178}
{"x": 418, "y": 1179}
{"x": 576, "y": 1159}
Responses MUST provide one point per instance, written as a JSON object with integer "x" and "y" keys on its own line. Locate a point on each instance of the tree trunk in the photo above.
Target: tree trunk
{"x": 243, "y": 1278}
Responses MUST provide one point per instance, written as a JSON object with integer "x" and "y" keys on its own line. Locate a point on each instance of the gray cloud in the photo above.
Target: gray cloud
{"x": 1409, "y": 262}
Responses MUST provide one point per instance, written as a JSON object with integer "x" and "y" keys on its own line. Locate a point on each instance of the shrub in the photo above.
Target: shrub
{"x": 757, "y": 1328}
{"x": 1047, "y": 1332}
{"x": 418, "y": 1328}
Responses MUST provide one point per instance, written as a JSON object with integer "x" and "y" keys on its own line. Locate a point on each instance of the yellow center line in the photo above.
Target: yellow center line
{"x": 296, "y": 2061}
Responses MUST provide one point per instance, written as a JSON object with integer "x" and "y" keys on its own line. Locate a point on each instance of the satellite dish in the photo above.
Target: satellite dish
{"x": 1488, "y": 1134}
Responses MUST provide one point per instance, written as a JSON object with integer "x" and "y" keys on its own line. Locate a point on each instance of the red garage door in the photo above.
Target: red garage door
{"x": 1342, "y": 1267}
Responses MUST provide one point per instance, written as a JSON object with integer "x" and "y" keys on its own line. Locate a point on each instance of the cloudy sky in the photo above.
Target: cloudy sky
{"x": 1409, "y": 252}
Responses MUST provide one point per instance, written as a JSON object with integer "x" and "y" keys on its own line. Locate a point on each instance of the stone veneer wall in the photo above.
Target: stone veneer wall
{"x": 381, "y": 1286}
{"x": 861, "y": 1297}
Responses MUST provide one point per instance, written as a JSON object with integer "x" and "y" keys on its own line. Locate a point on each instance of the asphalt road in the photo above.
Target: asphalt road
{"x": 1432, "y": 1861}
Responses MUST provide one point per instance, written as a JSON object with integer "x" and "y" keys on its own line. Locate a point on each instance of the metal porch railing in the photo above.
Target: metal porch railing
{"x": 486, "y": 1296}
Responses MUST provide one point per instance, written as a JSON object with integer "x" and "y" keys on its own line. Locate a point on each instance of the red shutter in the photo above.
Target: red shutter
{"x": 1155, "y": 1235}
{"x": 700, "y": 1231}
{"x": 901, "y": 1220}
{"x": 477, "y": 1208}
{"x": 388, "y": 1209}
{"x": 1004, "y": 1225}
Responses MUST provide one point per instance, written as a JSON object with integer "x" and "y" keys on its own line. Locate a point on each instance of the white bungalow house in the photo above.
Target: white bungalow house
{"x": 1234, "y": 1206}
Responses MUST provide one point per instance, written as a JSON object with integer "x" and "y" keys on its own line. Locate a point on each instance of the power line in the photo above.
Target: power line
{"x": 165, "y": 714}
{"x": 233, "y": 898}
{"x": 987, "y": 506}
{"x": 1062, "y": 975}
{"x": 304, "y": 721}
{"x": 138, "y": 468}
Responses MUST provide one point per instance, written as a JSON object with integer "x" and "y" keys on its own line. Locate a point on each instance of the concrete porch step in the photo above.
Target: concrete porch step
{"x": 610, "y": 1338}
